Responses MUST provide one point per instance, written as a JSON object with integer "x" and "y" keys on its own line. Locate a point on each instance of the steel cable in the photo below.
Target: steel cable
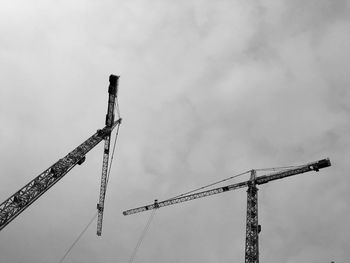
{"x": 139, "y": 242}
{"x": 206, "y": 186}
{"x": 78, "y": 238}
{"x": 95, "y": 215}
{"x": 277, "y": 168}
{"x": 110, "y": 165}
{"x": 229, "y": 178}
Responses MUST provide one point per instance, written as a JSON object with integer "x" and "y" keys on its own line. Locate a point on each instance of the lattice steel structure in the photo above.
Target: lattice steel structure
{"x": 25, "y": 196}
{"x": 252, "y": 226}
{"x": 112, "y": 90}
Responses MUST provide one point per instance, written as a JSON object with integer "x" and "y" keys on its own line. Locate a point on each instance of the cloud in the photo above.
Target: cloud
{"x": 207, "y": 90}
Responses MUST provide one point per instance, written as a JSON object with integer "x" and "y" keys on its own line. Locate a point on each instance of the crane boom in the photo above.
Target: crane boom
{"x": 25, "y": 196}
{"x": 314, "y": 166}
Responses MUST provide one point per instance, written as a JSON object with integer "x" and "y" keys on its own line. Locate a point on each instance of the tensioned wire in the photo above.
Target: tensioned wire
{"x": 78, "y": 238}
{"x": 146, "y": 228}
{"x": 206, "y": 186}
{"x": 231, "y": 177}
{"x": 96, "y": 213}
{"x": 139, "y": 242}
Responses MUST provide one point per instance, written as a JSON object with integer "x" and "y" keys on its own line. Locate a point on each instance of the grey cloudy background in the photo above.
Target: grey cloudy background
{"x": 208, "y": 89}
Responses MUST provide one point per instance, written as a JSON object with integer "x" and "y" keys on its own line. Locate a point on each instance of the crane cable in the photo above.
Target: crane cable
{"x": 146, "y": 228}
{"x": 78, "y": 238}
{"x": 229, "y": 178}
{"x": 278, "y": 168}
{"x": 115, "y": 142}
{"x": 116, "y": 102}
{"x": 139, "y": 242}
{"x": 95, "y": 215}
{"x": 206, "y": 186}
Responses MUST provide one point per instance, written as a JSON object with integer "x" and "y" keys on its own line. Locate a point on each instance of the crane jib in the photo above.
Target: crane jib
{"x": 187, "y": 198}
{"x": 313, "y": 166}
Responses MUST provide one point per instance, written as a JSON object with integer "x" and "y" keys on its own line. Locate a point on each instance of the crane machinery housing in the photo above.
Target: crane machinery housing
{"x": 252, "y": 226}
{"x": 24, "y": 197}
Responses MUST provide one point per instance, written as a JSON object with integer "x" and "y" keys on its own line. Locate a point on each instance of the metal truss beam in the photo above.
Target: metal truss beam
{"x": 24, "y": 197}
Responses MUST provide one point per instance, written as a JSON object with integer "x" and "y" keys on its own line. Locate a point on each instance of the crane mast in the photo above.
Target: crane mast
{"x": 112, "y": 90}
{"x": 25, "y": 196}
{"x": 252, "y": 226}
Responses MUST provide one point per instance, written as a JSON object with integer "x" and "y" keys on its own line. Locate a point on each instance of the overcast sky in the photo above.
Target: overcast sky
{"x": 208, "y": 89}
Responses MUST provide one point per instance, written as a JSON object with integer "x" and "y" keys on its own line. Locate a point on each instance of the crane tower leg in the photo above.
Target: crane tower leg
{"x": 252, "y": 228}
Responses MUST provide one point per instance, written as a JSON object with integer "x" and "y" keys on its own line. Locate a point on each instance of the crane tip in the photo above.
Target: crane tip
{"x": 113, "y": 79}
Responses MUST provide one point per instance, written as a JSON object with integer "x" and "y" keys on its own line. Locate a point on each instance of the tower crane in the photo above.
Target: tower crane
{"x": 24, "y": 197}
{"x": 252, "y": 226}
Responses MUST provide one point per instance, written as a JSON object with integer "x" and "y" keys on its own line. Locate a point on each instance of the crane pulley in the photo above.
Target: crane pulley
{"x": 252, "y": 226}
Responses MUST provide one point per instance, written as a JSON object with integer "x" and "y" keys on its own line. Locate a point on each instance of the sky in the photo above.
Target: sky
{"x": 207, "y": 90}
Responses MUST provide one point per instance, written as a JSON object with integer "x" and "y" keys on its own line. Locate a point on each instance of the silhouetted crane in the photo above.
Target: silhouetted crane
{"x": 25, "y": 196}
{"x": 252, "y": 226}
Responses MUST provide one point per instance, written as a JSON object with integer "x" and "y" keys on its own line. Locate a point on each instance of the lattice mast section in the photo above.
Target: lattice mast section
{"x": 252, "y": 226}
{"x": 112, "y": 91}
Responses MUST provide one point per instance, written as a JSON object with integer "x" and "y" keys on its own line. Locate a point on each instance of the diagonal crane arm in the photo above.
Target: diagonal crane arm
{"x": 313, "y": 166}
{"x": 25, "y": 196}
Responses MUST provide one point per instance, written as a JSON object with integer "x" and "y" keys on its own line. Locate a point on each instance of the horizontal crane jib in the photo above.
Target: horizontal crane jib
{"x": 313, "y": 166}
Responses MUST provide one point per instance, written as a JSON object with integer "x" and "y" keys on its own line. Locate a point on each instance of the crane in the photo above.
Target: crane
{"x": 252, "y": 226}
{"x": 24, "y": 197}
